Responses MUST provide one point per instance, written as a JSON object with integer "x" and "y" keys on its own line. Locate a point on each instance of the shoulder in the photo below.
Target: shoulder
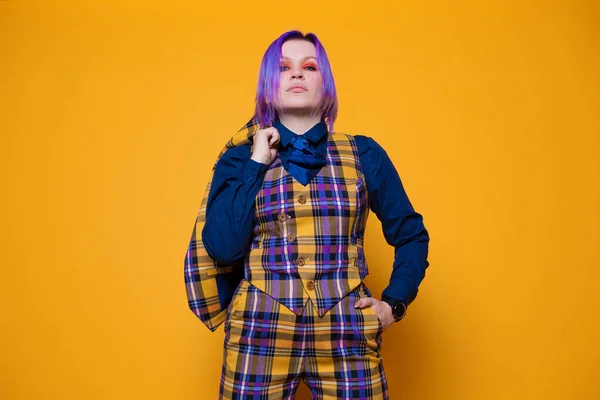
{"x": 234, "y": 156}
{"x": 241, "y": 152}
{"x": 365, "y": 144}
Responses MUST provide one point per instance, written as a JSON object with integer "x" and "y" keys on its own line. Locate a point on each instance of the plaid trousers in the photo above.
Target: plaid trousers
{"x": 268, "y": 349}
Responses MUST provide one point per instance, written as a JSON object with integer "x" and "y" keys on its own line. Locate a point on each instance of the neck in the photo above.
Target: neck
{"x": 299, "y": 124}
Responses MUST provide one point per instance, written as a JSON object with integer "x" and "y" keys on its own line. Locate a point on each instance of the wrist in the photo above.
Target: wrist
{"x": 398, "y": 308}
{"x": 260, "y": 160}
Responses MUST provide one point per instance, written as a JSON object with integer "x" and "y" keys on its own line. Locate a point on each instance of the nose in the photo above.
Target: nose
{"x": 297, "y": 73}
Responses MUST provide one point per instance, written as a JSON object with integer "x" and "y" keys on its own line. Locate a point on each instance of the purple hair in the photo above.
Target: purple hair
{"x": 268, "y": 81}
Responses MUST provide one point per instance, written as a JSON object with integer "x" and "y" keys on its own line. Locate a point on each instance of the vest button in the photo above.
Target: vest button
{"x": 282, "y": 217}
{"x": 291, "y": 237}
{"x": 310, "y": 285}
{"x": 301, "y": 261}
{"x": 302, "y": 199}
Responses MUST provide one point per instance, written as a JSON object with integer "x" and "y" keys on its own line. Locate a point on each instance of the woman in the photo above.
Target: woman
{"x": 287, "y": 209}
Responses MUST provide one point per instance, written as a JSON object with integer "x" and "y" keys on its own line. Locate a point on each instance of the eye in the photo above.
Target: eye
{"x": 310, "y": 67}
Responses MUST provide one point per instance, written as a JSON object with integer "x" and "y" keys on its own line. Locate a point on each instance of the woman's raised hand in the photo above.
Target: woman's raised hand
{"x": 266, "y": 142}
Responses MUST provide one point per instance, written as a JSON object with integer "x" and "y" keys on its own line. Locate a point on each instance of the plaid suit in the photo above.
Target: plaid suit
{"x": 291, "y": 317}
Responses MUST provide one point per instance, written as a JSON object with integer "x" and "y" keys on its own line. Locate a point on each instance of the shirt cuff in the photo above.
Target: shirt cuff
{"x": 397, "y": 297}
{"x": 253, "y": 171}
{"x": 391, "y": 299}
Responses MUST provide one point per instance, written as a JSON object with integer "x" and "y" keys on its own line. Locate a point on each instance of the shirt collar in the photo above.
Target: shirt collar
{"x": 314, "y": 134}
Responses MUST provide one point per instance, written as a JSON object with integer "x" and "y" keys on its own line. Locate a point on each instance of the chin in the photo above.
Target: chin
{"x": 298, "y": 110}
{"x": 299, "y": 105}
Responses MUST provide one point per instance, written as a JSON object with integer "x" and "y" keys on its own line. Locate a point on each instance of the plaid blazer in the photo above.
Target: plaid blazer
{"x": 206, "y": 299}
{"x": 307, "y": 243}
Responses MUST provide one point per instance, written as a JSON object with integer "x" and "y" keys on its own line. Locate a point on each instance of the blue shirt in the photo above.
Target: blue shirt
{"x": 237, "y": 180}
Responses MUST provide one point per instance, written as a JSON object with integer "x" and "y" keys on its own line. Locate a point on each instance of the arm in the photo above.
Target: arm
{"x": 402, "y": 226}
{"x": 230, "y": 206}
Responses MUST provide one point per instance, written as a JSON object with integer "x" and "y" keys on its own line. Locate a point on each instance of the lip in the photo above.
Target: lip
{"x": 297, "y": 88}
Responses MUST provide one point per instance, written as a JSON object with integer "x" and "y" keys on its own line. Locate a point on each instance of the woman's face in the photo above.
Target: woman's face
{"x": 300, "y": 85}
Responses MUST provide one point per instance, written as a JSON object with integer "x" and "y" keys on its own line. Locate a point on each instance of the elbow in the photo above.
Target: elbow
{"x": 423, "y": 235}
{"x": 221, "y": 247}
{"x": 409, "y": 231}
{"x": 418, "y": 233}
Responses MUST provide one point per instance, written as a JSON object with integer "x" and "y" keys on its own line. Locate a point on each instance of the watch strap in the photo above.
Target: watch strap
{"x": 398, "y": 308}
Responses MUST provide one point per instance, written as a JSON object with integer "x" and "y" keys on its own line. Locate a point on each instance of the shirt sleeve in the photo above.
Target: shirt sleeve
{"x": 403, "y": 227}
{"x": 230, "y": 207}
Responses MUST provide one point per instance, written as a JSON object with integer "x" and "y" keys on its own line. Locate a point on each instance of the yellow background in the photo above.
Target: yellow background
{"x": 112, "y": 114}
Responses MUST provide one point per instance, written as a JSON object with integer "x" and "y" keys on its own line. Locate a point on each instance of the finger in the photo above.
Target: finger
{"x": 264, "y": 137}
{"x": 273, "y": 140}
{"x": 362, "y": 303}
{"x": 270, "y": 130}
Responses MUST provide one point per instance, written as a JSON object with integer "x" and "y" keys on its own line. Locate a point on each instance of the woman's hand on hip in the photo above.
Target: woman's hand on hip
{"x": 381, "y": 308}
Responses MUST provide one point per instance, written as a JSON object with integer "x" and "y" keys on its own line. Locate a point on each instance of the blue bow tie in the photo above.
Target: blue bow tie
{"x": 302, "y": 146}
{"x": 300, "y": 160}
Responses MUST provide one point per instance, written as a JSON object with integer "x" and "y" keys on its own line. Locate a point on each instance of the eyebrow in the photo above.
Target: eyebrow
{"x": 305, "y": 58}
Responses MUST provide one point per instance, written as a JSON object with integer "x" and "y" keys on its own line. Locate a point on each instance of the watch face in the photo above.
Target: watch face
{"x": 397, "y": 310}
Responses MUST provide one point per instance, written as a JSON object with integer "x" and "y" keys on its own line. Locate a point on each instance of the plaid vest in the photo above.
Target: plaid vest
{"x": 308, "y": 240}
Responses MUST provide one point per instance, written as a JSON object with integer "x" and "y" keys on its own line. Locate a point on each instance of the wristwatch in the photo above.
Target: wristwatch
{"x": 398, "y": 308}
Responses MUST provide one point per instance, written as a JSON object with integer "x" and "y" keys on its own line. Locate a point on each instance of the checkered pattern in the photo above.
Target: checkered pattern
{"x": 208, "y": 301}
{"x": 335, "y": 261}
{"x": 269, "y": 349}
{"x": 292, "y": 317}
{"x": 307, "y": 243}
